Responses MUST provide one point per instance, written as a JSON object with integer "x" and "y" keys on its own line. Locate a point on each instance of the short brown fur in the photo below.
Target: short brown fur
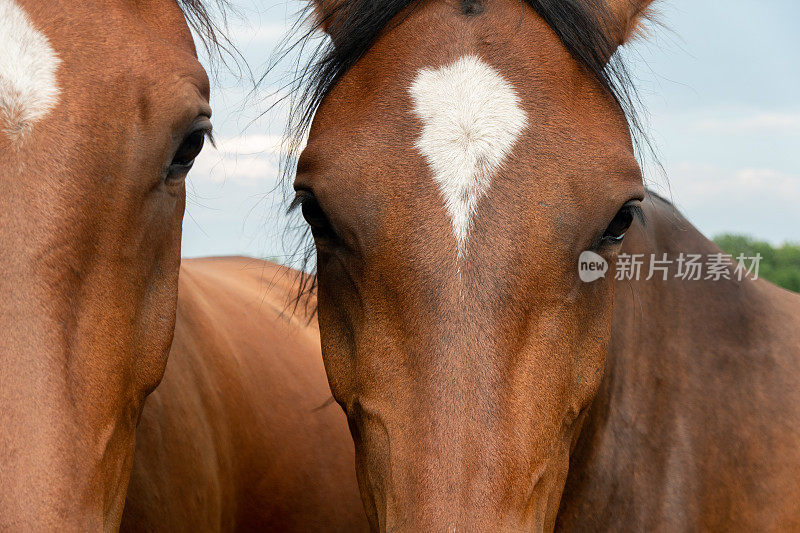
{"x": 496, "y": 394}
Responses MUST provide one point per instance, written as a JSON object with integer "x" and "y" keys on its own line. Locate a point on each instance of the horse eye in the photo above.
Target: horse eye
{"x": 621, "y": 223}
{"x": 189, "y": 149}
{"x": 315, "y": 216}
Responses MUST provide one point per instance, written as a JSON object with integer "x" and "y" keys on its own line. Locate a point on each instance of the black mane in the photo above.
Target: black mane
{"x": 207, "y": 20}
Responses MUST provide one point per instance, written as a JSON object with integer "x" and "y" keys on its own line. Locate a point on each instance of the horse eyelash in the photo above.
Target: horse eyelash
{"x": 296, "y": 203}
{"x": 300, "y": 197}
{"x": 638, "y": 213}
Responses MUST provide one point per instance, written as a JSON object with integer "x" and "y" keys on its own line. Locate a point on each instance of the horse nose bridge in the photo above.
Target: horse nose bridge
{"x": 444, "y": 428}
{"x": 441, "y": 385}
{"x": 434, "y": 446}
{"x": 456, "y": 523}
{"x": 460, "y": 485}
{"x": 480, "y": 514}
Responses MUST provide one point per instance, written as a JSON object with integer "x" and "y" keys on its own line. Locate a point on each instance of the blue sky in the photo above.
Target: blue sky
{"x": 719, "y": 80}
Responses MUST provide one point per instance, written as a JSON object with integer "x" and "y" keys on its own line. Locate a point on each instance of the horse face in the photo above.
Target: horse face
{"x": 102, "y": 110}
{"x": 452, "y": 179}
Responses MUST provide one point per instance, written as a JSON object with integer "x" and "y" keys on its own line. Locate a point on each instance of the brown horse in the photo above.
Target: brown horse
{"x": 103, "y": 107}
{"x": 463, "y": 156}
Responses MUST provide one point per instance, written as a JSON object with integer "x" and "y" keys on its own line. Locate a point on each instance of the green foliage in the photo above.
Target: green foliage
{"x": 780, "y": 265}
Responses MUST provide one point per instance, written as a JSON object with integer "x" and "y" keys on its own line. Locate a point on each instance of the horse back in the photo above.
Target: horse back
{"x": 241, "y": 434}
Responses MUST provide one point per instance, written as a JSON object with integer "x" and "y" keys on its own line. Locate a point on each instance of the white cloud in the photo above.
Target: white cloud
{"x": 215, "y": 167}
{"x": 251, "y": 159}
{"x": 758, "y": 122}
{"x": 270, "y": 32}
{"x": 251, "y": 145}
{"x": 751, "y": 200}
{"x": 770, "y": 181}
{"x": 701, "y": 181}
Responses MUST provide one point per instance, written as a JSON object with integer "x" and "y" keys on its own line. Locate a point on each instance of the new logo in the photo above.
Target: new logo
{"x": 591, "y": 266}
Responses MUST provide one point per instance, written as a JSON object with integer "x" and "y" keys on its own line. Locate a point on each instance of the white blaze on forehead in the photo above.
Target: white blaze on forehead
{"x": 471, "y": 120}
{"x": 28, "y": 87}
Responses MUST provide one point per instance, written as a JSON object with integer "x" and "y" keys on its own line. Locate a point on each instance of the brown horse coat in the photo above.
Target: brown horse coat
{"x": 103, "y": 108}
{"x": 696, "y": 425}
{"x": 488, "y": 386}
{"x": 240, "y": 435}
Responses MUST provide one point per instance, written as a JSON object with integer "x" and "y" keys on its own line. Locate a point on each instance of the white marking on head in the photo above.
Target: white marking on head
{"x": 471, "y": 120}
{"x": 28, "y": 87}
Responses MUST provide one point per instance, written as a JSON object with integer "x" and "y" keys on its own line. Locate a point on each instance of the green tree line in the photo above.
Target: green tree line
{"x": 779, "y": 264}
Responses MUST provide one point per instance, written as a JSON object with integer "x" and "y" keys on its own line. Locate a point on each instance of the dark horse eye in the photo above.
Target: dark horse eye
{"x": 314, "y": 215}
{"x": 619, "y": 226}
{"x": 189, "y": 149}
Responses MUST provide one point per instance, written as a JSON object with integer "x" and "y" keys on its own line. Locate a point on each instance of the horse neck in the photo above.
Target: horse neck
{"x": 671, "y": 335}
{"x": 693, "y": 366}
